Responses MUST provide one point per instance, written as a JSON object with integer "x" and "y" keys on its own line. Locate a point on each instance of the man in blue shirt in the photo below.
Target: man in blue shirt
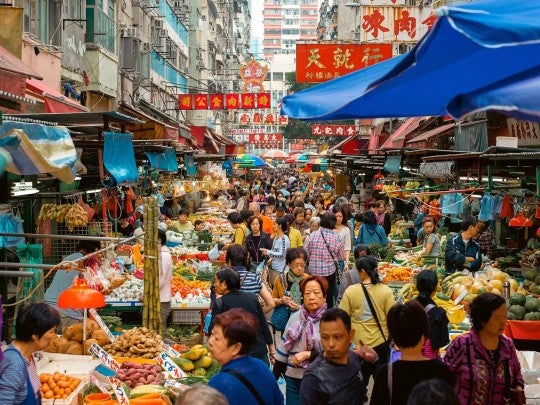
{"x": 462, "y": 251}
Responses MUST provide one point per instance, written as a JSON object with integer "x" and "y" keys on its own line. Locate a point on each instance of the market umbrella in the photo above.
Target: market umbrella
{"x": 315, "y": 165}
{"x": 292, "y": 157}
{"x": 248, "y": 161}
{"x": 469, "y": 47}
{"x": 305, "y": 157}
{"x": 517, "y": 97}
{"x": 275, "y": 154}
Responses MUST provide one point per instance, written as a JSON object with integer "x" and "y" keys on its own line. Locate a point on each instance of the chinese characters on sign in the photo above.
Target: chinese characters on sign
{"x": 262, "y": 118}
{"x": 231, "y": 101}
{"x": 333, "y": 130}
{"x": 322, "y": 62}
{"x": 266, "y": 140}
{"x": 394, "y": 24}
{"x": 253, "y": 74}
{"x": 527, "y": 132}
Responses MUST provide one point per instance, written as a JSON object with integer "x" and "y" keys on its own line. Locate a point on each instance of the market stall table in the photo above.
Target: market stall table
{"x": 525, "y": 334}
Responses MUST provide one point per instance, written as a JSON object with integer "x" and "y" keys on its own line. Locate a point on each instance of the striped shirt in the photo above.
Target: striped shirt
{"x": 13, "y": 371}
{"x": 250, "y": 282}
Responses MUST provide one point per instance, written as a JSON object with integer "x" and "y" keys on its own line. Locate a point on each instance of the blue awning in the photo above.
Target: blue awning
{"x": 470, "y": 46}
{"x": 165, "y": 160}
{"x": 119, "y": 158}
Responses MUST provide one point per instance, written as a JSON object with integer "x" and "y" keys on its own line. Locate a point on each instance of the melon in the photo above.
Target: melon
{"x": 500, "y": 276}
{"x": 532, "y": 316}
{"x": 535, "y": 289}
{"x": 517, "y": 299}
{"x": 498, "y": 284}
{"x": 530, "y": 275}
{"x": 537, "y": 279}
{"x": 511, "y": 316}
{"x": 518, "y": 311}
{"x": 532, "y": 305}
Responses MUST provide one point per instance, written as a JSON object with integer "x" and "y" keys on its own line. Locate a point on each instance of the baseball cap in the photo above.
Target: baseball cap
{"x": 280, "y": 205}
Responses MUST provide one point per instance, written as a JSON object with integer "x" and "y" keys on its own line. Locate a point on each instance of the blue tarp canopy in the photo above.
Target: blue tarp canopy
{"x": 119, "y": 158}
{"x": 470, "y": 46}
{"x": 39, "y": 149}
{"x": 165, "y": 160}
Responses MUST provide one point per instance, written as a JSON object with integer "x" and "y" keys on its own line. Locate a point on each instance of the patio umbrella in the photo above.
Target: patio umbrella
{"x": 275, "y": 154}
{"x": 292, "y": 157}
{"x": 305, "y": 157}
{"x": 248, "y": 161}
{"x": 469, "y": 47}
{"x": 517, "y": 97}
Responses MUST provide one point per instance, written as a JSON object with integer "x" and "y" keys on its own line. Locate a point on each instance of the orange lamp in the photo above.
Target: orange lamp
{"x": 80, "y": 296}
{"x": 520, "y": 221}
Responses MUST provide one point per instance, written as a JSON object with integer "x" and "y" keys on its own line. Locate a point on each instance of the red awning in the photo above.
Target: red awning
{"x": 197, "y": 135}
{"x": 430, "y": 134}
{"x": 397, "y": 139}
{"x": 55, "y": 102}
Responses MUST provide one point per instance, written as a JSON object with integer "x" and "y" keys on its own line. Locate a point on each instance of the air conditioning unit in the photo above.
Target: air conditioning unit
{"x": 162, "y": 33}
{"x": 158, "y": 24}
{"x": 178, "y": 4}
{"x": 131, "y": 32}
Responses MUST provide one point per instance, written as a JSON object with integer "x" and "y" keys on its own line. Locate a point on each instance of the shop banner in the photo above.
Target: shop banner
{"x": 333, "y": 130}
{"x": 272, "y": 141}
{"x": 229, "y": 101}
{"x": 527, "y": 132}
{"x": 323, "y": 62}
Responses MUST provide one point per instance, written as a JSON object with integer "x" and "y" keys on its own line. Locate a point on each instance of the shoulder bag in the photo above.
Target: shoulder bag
{"x": 248, "y": 385}
{"x": 336, "y": 263}
{"x": 386, "y": 343}
{"x": 512, "y": 396}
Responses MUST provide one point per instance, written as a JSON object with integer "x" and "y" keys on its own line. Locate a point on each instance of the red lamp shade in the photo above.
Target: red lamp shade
{"x": 538, "y": 232}
{"x": 519, "y": 221}
{"x": 80, "y": 296}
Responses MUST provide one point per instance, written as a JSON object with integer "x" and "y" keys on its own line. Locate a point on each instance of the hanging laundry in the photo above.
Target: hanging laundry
{"x": 10, "y": 223}
{"x": 486, "y": 208}
{"x": 507, "y": 210}
{"x": 497, "y": 204}
{"x": 475, "y": 206}
{"x": 452, "y": 204}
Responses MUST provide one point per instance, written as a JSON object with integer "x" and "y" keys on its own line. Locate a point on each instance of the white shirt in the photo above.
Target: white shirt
{"x": 165, "y": 274}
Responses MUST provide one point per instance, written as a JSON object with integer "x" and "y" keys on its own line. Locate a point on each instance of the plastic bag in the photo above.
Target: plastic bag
{"x": 213, "y": 254}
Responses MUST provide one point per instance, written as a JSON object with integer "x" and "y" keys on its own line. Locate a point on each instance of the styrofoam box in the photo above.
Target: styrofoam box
{"x": 73, "y": 365}
{"x": 506, "y": 141}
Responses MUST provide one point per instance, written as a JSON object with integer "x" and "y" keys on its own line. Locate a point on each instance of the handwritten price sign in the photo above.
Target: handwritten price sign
{"x": 170, "y": 351}
{"x": 121, "y": 395}
{"x": 104, "y": 357}
{"x": 98, "y": 384}
{"x": 93, "y": 313}
{"x": 170, "y": 366}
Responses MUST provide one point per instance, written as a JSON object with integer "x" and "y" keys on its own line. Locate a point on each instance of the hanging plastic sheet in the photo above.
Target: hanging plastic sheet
{"x": 37, "y": 149}
{"x": 31, "y": 253}
{"x": 392, "y": 164}
{"x": 10, "y": 223}
{"x": 437, "y": 170}
{"x": 165, "y": 160}
{"x": 189, "y": 162}
{"x": 119, "y": 158}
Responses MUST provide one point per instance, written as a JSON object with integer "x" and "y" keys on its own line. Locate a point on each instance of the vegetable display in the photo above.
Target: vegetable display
{"x": 71, "y": 342}
{"x": 57, "y": 385}
{"x": 135, "y": 374}
{"x": 136, "y": 342}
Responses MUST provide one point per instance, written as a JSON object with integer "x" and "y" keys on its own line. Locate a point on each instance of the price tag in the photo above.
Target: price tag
{"x": 121, "y": 395}
{"x": 170, "y": 366}
{"x": 93, "y": 313}
{"x": 170, "y": 351}
{"x": 460, "y": 297}
{"x": 98, "y": 384}
{"x": 105, "y": 358}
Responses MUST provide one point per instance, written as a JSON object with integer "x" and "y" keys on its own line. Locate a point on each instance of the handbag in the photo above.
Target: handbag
{"x": 513, "y": 396}
{"x": 336, "y": 263}
{"x": 280, "y": 317}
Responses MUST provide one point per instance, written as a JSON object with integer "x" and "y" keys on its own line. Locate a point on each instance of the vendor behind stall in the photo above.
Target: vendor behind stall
{"x": 462, "y": 252}
{"x": 63, "y": 279}
{"x": 182, "y": 224}
{"x": 203, "y": 235}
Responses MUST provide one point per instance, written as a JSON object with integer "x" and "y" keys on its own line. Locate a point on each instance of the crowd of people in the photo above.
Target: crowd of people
{"x": 290, "y": 255}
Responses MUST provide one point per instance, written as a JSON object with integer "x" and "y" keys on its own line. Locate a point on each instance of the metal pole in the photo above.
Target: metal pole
{"x": 71, "y": 237}
{"x": 8, "y": 273}
{"x": 24, "y": 265}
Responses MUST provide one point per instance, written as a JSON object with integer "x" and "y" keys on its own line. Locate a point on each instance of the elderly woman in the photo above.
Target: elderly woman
{"x": 242, "y": 379}
{"x": 35, "y": 329}
{"x": 484, "y": 361}
{"x": 369, "y": 324}
{"x": 227, "y": 284}
{"x": 300, "y": 343}
{"x": 237, "y": 258}
{"x": 314, "y": 224}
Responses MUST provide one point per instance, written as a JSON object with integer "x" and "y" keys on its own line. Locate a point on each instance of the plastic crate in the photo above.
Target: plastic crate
{"x": 186, "y": 316}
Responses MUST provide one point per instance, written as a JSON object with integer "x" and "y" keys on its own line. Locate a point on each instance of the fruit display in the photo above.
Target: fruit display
{"x": 71, "y": 214}
{"x": 57, "y": 385}
{"x": 532, "y": 282}
{"x": 392, "y": 272}
{"x": 523, "y": 307}
{"x": 197, "y": 362}
{"x": 194, "y": 269}
{"x": 136, "y": 342}
{"x": 71, "y": 341}
{"x": 135, "y": 374}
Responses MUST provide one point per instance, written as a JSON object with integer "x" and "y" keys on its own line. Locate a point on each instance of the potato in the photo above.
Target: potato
{"x": 100, "y": 336}
{"x": 87, "y": 344}
{"x": 75, "y": 348}
{"x": 74, "y": 332}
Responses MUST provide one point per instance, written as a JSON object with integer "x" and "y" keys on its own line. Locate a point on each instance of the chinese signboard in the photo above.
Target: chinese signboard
{"x": 231, "y": 101}
{"x": 527, "y": 132}
{"x": 394, "y": 24}
{"x": 253, "y": 74}
{"x": 333, "y": 130}
{"x": 322, "y": 62}
{"x": 270, "y": 141}
{"x": 262, "y": 118}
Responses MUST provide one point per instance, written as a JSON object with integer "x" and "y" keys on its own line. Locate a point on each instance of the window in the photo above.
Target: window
{"x": 100, "y": 18}
{"x": 277, "y": 76}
